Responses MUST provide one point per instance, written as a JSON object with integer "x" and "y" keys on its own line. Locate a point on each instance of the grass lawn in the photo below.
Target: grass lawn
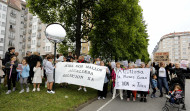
{"x": 64, "y": 99}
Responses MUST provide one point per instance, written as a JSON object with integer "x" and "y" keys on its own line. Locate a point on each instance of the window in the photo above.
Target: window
{"x": 48, "y": 48}
{"x": 3, "y": 16}
{"x": 3, "y": 24}
{"x": 1, "y": 48}
{"x": 1, "y": 40}
{"x": 184, "y": 52}
{"x": 2, "y": 32}
{"x": 84, "y": 48}
{"x": 4, "y": 8}
{"x": 0, "y": 6}
{"x": 184, "y": 49}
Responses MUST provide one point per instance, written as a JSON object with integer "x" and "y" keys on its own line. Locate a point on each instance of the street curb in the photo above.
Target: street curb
{"x": 85, "y": 104}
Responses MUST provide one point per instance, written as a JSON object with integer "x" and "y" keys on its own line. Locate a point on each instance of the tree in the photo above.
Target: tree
{"x": 74, "y": 14}
{"x": 120, "y": 33}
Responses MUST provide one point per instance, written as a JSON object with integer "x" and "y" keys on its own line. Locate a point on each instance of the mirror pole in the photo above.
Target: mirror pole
{"x": 54, "y": 65}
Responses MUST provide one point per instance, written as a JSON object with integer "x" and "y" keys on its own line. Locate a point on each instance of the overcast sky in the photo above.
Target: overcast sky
{"x": 165, "y": 16}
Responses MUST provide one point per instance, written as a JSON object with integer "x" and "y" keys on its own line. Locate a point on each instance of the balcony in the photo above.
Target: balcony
{"x": 39, "y": 28}
{"x": 30, "y": 31}
{"x": 24, "y": 32}
{"x": 39, "y": 36}
{"x": 29, "y": 38}
{"x": 38, "y": 44}
{"x": 11, "y": 43}
{"x": 24, "y": 39}
{"x": 13, "y": 14}
{"x": 30, "y": 17}
{"x": 29, "y": 45}
{"x": 23, "y": 46}
{"x": 12, "y": 29}
{"x": 11, "y": 37}
{"x": 13, "y": 22}
{"x": 30, "y": 24}
{"x": 25, "y": 25}
{"x": 25, "y": 18}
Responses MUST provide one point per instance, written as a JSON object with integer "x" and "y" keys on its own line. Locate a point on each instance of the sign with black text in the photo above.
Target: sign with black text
{"x": 83, "y": 74}
{"x": 133, "y": 79}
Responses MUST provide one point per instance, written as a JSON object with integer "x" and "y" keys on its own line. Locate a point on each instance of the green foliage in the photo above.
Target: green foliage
{"x": 64, "y": 46}
{"x": 120, "y": 32}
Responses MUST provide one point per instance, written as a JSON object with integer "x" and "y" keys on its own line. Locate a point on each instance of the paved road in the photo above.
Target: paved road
{"x": 116, "y": 104}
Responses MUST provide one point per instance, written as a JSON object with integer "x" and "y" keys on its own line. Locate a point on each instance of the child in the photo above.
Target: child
{"x": 38, "y": 75}
{"x": 175, "y": 95}
{"x": 154, "y": 86}
{"x": 49, "y": 74}
{"x": 24, "y": 74}
{"x": 114, "y": 73}
{"x": 11, "y": 73}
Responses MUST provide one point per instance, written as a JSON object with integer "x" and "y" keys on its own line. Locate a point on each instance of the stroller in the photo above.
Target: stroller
{"x": 179, "y": 104}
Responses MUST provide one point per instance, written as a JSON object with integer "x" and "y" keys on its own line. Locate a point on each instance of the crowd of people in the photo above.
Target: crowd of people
{"x": 32, "y": 69}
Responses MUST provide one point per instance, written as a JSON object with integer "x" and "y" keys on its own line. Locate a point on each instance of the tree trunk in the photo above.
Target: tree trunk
{"x": 78, "y": 28}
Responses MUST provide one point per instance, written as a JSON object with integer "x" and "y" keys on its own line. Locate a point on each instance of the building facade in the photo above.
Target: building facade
{"x": 3, "y": 20}
{"x": 177, "y": 44}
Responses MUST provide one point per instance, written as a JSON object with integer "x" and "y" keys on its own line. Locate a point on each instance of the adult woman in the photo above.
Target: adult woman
{"x": 114, "y": 73}
{"x": 163, "y": 78}
{"x": 103, "y": 94}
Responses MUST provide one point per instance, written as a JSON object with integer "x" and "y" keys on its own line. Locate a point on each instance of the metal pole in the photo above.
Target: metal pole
{"x": 54, "y": 65}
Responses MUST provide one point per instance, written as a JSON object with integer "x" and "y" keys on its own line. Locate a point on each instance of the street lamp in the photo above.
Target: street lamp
{"x": 55, "y": 33}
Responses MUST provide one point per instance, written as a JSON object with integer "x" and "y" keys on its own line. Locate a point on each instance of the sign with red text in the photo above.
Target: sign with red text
{"x": 161, "y": 57}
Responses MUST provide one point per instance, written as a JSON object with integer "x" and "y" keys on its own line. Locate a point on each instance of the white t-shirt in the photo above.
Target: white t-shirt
{"x": 162, "y": 72}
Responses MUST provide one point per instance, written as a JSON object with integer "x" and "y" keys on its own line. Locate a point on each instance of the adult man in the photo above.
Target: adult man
{"x": 69, "y": 57}
{"x": 28, "y": 54}
{"x": 17, "y": 54}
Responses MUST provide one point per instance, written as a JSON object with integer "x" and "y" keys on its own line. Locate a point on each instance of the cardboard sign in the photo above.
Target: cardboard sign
{"x": 161, "y": 57}
{"x": 133, "y": 79}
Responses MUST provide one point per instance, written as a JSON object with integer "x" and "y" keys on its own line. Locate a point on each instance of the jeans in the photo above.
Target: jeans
{"x": 162, "y": 81}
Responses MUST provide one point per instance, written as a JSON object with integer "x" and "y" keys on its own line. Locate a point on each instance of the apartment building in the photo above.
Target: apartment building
{"x": 177, "y": 44}
{"x": 3, "y": 20}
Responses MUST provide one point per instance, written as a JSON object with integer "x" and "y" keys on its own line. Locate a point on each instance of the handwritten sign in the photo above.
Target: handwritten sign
{"x": 161, "y": 57}
{"x": 184, "y": 64}
{"x": 88, "y": 75}
{"x": 133, "y": 79}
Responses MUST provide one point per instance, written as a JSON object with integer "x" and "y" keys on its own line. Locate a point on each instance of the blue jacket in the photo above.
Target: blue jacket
{"x": 154, "y": 83}
{"x": 25, "y": 71}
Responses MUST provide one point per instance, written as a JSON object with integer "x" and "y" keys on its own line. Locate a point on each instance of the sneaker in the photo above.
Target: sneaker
{"x": 21, "y": 91}
{"x": 34, "y": 90}
{"x": 38, "y": 89}
{"x": 128, "y": 99}
{"x": 138, "y": 95}
{"x": 99, "y": 98}
{"x": 79, "y": 89}
{"x": 8, "y": 92}
{"x": 84, "y": 89}
{"x": 134, "y": 99}
{"x": 141, "y": 100}
{"x": 48, "y": 91}
{"x": 167, "y": 96}
{"x": 14, "y": 88}
{"x": 152, "y": 95}
{"x": 103, "y": 98}
{"x": 113, "y": 97}
{"x": 52, "y": 92}
{"x": 27, "y": 89}
{"x": 121, "y": 98}
{"x": 145, "y": 100}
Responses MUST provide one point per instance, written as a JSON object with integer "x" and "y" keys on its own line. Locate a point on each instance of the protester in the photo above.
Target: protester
{"x": 103, "y": 94}
{"x": 9, "y": 54}
{"x": 49, "y": 74}
{"x": 1, "y": 70}
{"x": 69, "y": 56}
{"x": 81, "y": 60}
{"x": 97, "y": 62}
{"x": 44, "y": 69}
{"x": 32, "y": 61}
{"x": 154, "y": 86}
{"x": 11, "y": 73}
{"x": 143, "y": 93}
{"x": 28, "y": 54}
{"x": 17, "y": 54}
{"x": 134, "y": 93}
{"x": 163, "y": 78}
{"x": 114, "y": 73}
{"x": 24, "y": 74}
{"x": 38, "y": 75}
{"x": 60, "y": 58}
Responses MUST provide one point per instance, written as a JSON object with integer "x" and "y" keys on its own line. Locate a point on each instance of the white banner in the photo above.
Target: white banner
{"x": 133, "y": 79}
{"x": 83, "y": 74}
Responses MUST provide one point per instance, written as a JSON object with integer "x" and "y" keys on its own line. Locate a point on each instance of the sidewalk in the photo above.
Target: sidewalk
{"x": 155, "y": 104}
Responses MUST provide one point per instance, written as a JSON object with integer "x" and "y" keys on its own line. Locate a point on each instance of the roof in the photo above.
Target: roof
{"x": 176, "y": 34}
{"x": 16, "y": 4}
